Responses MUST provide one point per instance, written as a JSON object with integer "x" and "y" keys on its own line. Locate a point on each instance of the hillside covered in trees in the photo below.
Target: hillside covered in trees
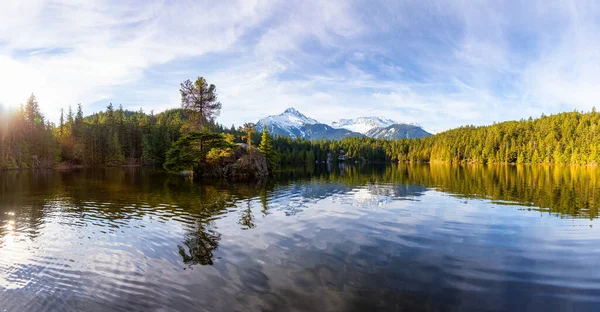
{"x": 113, "y": 137}
{"x": 566, "y": 138}
{"x": 116, "y": 137}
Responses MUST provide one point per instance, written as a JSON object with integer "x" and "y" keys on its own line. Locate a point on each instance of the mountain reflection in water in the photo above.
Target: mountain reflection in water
{"x": 390, "y": 237}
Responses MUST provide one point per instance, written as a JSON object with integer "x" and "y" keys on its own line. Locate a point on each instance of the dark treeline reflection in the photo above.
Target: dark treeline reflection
{"x": 119, "y": 195}
{"x": 116, "y": 196}
{"x": 569, "y": 190}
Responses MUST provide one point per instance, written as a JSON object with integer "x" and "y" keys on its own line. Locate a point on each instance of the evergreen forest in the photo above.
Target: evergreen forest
{"x": 118, "y": 137}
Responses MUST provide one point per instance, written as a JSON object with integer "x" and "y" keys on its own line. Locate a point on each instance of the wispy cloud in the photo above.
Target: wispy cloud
{"x": 440, "y": 64}
{"x": 68, "y": 52}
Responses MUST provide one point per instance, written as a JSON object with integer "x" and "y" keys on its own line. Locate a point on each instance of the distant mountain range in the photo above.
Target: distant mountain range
{"x": 294, "y": 124}
{"x": 362, "y": 124}
{"x": 397, "y": 131}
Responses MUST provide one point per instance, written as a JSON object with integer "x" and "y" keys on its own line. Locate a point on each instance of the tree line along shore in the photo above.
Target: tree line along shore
{"x": 118, "y": 137}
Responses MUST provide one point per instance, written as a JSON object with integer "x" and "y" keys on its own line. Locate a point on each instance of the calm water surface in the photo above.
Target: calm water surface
{"x": 398, "y": 237}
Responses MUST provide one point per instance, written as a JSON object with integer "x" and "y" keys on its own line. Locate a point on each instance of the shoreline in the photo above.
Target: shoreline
{"x": 498, "y": 163}
{"x": 72, "y": 167}
{"x": 76, "y": 167}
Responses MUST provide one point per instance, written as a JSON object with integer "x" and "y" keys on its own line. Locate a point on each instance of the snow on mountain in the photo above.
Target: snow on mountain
{"x": 289, "y": 118}
{"x": 294, "y": 124}
{"x": 290, "y": 122}
{"x": 397, "y": 131}
{"x": 363, "y": 124}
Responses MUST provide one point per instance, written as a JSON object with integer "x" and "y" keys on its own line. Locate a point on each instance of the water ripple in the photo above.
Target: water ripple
{"x": 319, "y": 243}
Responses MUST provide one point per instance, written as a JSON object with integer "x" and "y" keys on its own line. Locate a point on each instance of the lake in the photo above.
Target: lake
{"x": 333, "y": 238}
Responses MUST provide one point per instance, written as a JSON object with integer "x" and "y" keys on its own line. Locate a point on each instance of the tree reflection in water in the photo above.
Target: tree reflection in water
{"x": 247, "y": 219}
{"x": 202, "y": 240}
{"x": 118, "y": 196}
{"x": 200, "y": 245}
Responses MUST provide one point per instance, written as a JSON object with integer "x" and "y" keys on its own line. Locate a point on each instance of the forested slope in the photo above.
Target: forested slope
{"x": 119, "y": 137}
{"x": 565, "y": 138}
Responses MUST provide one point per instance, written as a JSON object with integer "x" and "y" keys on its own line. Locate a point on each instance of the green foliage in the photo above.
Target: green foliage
{"x": 199, "y": 99}
{"x": 218, "y": 155}
{"x": 117, "y": 136}
{"x": 248, "y": 129}
{"x": 567, "y": 138}
{"x": 115, "y": 152}
{"x": 266, "y": 147}
{"x": 302, "y": 151}
{"x": 192, "y": 149}
{"x": 26, "y": 139}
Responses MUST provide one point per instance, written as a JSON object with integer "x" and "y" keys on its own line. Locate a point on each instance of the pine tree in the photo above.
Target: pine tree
{"x": 249, "y": 129}
{"x": 199, "y": 99}
{"x": 62, "y": 123}
{"x": 79, "y": 137}
{"x": 266, "y": 147}
{"x": 115, "y": 151}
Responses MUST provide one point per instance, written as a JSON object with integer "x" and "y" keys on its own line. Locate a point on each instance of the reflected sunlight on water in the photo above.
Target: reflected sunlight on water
{"x": 424, "y": 237}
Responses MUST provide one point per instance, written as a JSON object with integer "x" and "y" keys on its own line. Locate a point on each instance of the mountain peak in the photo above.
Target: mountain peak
{"x": 291, "y": 110}
{"x": 397, "y": 131}
{"x": 295, "y": 116}
{"x": 363, "y": 124}
{"x": 294, "y": 124}
{"x": 290, "y": 122}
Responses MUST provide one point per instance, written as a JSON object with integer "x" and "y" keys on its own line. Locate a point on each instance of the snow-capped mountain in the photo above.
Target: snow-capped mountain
{"x": 294, "y": 124}
{"x": 291, "y": 123}
{"x": 290, "y": 118}
{"x": 362, "y": 124}
{"x": 398, "y": 131}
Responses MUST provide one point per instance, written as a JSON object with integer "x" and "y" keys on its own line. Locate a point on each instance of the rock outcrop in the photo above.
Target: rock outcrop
{"x": 242, "y": 163}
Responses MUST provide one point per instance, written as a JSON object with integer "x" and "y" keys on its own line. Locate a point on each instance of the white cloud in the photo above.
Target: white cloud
{"x": 439, "y": 64}
{"x": 324, "y": 21}
{"x": 567, "y": 72}
{"x": 67, "y": 52}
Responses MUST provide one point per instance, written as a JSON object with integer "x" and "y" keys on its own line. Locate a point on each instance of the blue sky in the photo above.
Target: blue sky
{"x": 440, "y": 64}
